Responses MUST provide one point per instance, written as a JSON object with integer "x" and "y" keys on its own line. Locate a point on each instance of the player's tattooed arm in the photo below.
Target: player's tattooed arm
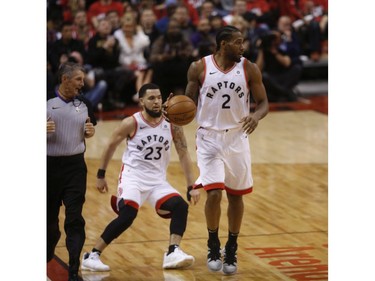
{"x": 179, "y": 139}
{"x": 185, "y": 160}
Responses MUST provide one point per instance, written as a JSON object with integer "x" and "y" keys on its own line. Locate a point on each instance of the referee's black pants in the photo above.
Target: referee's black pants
{"x": 66, "y": 184}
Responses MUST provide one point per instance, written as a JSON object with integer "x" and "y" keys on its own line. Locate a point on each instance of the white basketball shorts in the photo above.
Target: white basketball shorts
{"x": 224, "y": 160}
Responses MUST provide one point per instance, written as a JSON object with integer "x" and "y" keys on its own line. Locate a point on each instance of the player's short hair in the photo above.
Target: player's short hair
{"x": 225, "y": 34}
{"x": 145, "y": 87}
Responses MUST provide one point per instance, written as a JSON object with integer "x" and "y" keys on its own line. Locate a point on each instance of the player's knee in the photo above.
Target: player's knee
{"x": 127, "y": 212}
{"x": 175, "y": 203}
{"x": 179, "y": 213}
{"x": 181, "y": 207}
{"x": 214, "y": 195}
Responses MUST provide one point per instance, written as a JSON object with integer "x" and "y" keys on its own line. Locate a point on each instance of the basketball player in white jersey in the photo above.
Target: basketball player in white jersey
{"x": 143, "y": 178}
{"x": 220, "y": 84}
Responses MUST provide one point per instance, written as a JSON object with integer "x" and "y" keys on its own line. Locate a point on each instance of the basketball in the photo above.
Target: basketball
{"x": 180, "y": 110}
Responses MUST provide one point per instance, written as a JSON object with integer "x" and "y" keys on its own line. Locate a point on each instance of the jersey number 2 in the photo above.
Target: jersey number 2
{"x": 225, "y": 103}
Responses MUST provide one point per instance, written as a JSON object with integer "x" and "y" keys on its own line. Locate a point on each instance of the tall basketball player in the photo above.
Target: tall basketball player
{"x": 143, "y": 178}
{"x": 221, "y": 85}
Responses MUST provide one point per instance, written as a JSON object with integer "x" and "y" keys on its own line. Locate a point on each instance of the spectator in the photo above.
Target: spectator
{"x": 103, "y": 49}
{"x": 133, "y": 42}
{"x": 170, "y": 56}
{"x": 227, "y": 5}
{"x": 55, "y": 10}
{"x": 209, "y": 9}
{"x": 133, "y": 10}
{"x": 147, "y": 4}
{"x": 71, "y": 7}
{"x": 283, "y": 8}
{"x": 312, "y": 27}
{"x": 258, "y": 7}
{"x": 289, "y": 39}
{"x": 219, "y": 7}
{"x": 93, "y": 90}
{"x": 99, "y": 8}
{"x": 181, "y": 14}
{"x": 162, "y": 23}
{"x": 81, "y": 29}
{"x": 315, "y": 7}
{"x": 196, "y": 4}
{"x": 147, "y": 21}
{"x": 193, "y": 12}
{"x": 60, "y": 49}
{"x": 203, "y": 41}
{"x": 262, "y": 9}
{"x": 53, "y": 34}
{"x": 255, "y": 31}
{"x": 103, "y": 56}
{"x": 216, "y": 23}
{"x": 280, "y": 74}
{"x": 170, "y": 7}
{"x": 113, "y": 17}
{"x": 239, "y": 9}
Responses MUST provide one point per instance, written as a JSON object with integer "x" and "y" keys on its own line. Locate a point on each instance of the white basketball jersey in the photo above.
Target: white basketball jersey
{"x": 224, "y": 98}
{"x": 148, "y": 150}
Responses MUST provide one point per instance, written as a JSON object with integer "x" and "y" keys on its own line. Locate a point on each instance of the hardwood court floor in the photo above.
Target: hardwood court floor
{"x": 284, "y": 235}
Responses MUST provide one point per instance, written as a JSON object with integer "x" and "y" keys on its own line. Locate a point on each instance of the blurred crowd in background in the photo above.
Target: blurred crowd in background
{"x": 124, "y": 44}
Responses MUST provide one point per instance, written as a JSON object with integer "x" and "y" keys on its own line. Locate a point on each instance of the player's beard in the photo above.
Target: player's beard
{"x": 236, "y": 58}
{"x": 152, "y": 113}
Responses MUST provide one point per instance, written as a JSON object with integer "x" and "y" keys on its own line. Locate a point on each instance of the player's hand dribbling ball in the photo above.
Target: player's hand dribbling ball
{"x": 180, "y": 110}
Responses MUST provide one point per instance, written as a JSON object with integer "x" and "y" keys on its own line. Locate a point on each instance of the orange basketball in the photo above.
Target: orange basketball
{"x": 181, "y": 110}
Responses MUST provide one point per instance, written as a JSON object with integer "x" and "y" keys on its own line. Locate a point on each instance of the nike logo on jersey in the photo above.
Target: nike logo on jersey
{"x": 54, "y": 107}
{"x": 213, "y": 72}
{"x": 142, "y": 127}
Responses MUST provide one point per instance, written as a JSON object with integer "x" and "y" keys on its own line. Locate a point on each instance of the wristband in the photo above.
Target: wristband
{"x": 100, "y": 174}
{"x": 188, "y": 196}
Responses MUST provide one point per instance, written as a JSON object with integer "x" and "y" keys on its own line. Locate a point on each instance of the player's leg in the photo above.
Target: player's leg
{"x": 238, "y": 181}
{"x": 213, "y": 213}
{"x": 128, "y": 207}
{"x": 212, "y": 173}
{"x": 127, "y": 213}
{"x": 167, "y": 199}
{"x": 235, "y": 214}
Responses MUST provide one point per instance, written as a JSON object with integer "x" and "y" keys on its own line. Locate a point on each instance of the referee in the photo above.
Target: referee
{"x": 70, "y": 119}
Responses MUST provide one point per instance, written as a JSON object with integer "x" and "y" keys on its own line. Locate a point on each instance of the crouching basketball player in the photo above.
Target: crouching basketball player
{"x": 143, "y": 178}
